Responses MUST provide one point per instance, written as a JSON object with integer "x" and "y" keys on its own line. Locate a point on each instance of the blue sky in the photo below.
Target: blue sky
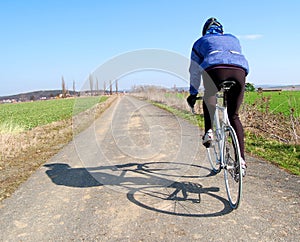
{"x": 41, "y": 41}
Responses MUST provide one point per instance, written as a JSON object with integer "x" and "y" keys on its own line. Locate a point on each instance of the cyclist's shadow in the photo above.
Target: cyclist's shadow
{"x": 153, "y": 187}
{"x": 64, "y": 175}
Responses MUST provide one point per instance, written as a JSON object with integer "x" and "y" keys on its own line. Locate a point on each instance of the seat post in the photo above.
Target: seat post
{"x": 226, "y": 85}
{"x": 225, "y": 97}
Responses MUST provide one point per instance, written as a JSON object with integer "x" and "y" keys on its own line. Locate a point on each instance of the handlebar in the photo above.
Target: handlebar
{"x": 218, "y": 95}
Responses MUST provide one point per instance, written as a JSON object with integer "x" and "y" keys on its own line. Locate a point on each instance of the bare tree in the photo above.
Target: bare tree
{"x": 104, "y": 87}
{"x": 97, "y": 86}
{"x": 110, "y": 87}
{"x": 91, "y": 84}
{"x": 74, "y": 89}
{"x": 117, "y": 86}
{"x": 63, "y": 87}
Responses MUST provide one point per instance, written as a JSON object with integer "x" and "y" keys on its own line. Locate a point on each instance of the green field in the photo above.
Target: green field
{"x": 278, "y": 102}
{"x": 25, "y": 116}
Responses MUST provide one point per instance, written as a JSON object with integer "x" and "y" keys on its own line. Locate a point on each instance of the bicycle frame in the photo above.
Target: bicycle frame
{"x": 221, "y": 124}
{"x": 222, "y": 128}
{"x": 224, "y": 151}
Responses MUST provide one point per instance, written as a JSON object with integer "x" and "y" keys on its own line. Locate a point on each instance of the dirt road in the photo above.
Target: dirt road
{"x": 140, "y": 174}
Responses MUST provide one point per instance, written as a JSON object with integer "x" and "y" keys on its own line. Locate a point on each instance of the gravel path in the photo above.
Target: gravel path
{"x": 140, "y": 174}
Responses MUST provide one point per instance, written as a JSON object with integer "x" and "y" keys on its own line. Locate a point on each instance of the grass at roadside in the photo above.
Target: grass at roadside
{"x": 283, "y": 155}
{"x": 194, "y": 119}
{"x": 286, "y": 156}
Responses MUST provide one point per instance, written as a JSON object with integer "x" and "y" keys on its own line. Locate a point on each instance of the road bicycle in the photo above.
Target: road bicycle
{"x": 224, "y": 152}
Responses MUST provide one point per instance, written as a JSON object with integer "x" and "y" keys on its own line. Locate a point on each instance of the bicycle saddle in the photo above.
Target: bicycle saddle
{"x": 227, "y": 84}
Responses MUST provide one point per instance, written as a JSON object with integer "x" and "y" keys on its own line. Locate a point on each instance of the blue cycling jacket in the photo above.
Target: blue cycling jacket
{"x": 211, "y": 50}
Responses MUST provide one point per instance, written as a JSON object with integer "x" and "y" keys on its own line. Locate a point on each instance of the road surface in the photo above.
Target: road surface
{"x": 140, "y": 173}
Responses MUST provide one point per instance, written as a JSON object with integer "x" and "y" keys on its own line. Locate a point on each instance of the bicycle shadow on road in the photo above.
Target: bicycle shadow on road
{"x": 63, "y": 174}
{"x": 152, "y": 189}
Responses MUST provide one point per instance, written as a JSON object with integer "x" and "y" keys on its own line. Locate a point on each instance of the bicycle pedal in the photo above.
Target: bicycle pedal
{"x": 228, "y": 167}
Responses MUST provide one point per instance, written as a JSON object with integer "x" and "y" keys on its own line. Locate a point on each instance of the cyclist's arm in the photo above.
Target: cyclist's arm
{"x": 195, "y": 77}
{"x": 195, "y": 70}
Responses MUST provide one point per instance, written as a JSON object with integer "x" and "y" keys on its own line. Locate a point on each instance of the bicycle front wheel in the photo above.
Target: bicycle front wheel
{"x": 214, "y": 151}
{"x": 232, "y": 167}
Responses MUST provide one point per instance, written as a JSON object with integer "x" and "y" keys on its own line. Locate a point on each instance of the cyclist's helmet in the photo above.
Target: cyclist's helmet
{"x": 212, "y": 26}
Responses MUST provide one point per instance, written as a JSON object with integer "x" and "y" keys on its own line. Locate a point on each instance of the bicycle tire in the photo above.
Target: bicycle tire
{"x": 232, "y": 167}
{"x": 214, "y": 150}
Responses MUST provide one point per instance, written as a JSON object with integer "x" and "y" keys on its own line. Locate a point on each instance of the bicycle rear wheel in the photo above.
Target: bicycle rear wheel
{"x": 232, "y": 167}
